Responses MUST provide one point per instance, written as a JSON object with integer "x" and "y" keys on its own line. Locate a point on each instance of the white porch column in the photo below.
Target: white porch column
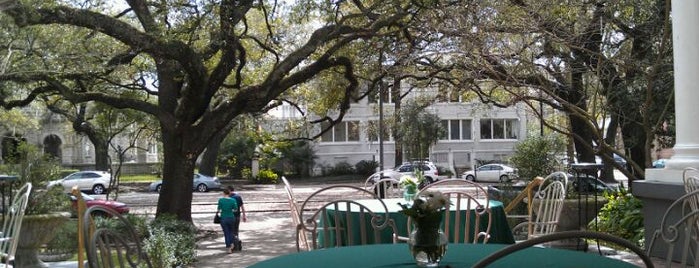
{"x": 685, "y": 37}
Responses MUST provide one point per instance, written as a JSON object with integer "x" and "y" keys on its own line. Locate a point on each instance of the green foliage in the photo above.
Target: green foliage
{"x": 246, "y": 173}
{"x": 236, "y": 152}
{"x": 298, "y": 156}
{"x": 536, "y": 155}
{"x": 267, "y": 176}
{"x": 366, "y": 167}
{"x": 35, "y": 167}
{"x": 443, "y": 171}
{"x": 622, "y": 216}
{"x": 422, "y": 130}
{"x": 66, "y": 238}
{"x": 171, "y": 242}
{"x": 342, "y": 168}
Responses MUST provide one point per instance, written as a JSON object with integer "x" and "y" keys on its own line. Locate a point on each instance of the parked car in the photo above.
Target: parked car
{"x": 617, "y": 158}
{"x": 90, "y": 180}
{"x": 491, "y": 173}
{"x": 587, "y": 184}
{"x": 384, "y": 174}
{"x": 201, "y": 183}
{"x": 90, "y": 201}
{"x": 660, "y": 163}
{"x": 429, "y": 170}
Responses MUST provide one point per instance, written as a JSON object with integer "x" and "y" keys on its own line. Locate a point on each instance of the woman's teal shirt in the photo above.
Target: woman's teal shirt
{"x": 227, "y": 205}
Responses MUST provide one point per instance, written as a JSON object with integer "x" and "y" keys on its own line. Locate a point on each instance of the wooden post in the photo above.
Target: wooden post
{"x": 81, "y": 207}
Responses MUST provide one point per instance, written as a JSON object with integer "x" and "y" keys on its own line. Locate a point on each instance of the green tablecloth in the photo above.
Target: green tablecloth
{"x": 458, "y": 255}
{"x": 499, "y": 231}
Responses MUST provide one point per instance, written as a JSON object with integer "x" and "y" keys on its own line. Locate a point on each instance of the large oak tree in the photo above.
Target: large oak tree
{"x": 194, "y": 65}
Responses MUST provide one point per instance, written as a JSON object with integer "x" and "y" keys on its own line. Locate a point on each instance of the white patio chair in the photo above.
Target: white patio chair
{"x": 464, "y": 196}
{"x": 679, "y": 232}
{"x": 390, "y": 187}
{"x": 301, "y": 238}
{"x": 331, "y": 217}
{"x": 545, "y": 206}
{"x": 12, "y": 223}
{"x": 690, "y": 177}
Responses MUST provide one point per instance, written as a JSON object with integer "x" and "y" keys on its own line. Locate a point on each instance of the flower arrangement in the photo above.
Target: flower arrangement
{"x": 427, "y": 242}
{"x": 409, "y": 183}
{"x": 425, "y": 205}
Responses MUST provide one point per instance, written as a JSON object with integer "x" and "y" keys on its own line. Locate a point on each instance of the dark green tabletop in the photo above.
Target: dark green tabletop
{"x": 458, "y": 255}
{"x": 500, "y": 232}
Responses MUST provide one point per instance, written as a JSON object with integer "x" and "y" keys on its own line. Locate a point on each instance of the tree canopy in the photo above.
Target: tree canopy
{"x": 194, "y": 66}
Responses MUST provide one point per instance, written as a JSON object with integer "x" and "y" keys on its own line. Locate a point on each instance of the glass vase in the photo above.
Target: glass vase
{"x": 409, "y": 194}
{"x": 427, "y": 242}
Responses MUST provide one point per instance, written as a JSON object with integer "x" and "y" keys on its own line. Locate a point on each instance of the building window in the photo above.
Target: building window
{"x": 457, "y": 129}
{"x": 498, "y": 129}
{"x": 341, "y": 132}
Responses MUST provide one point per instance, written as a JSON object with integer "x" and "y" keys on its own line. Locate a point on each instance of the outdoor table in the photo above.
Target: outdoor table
{"x": 458, "y": 255}
{"x": 500, "y": 231}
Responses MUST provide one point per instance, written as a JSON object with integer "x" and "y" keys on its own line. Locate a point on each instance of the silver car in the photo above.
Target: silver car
{"x": 491, "y": 173}
{"x": 201, "y": 183}
{"x": 89, "y": 180}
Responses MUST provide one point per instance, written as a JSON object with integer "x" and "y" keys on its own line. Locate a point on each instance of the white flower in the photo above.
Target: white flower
{"x": 434, "y": 201}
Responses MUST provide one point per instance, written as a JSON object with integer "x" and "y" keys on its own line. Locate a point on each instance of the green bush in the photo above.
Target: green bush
{"x": 366, "y": 167}
{"x": 536, "y": 156}
{"x": 267, "y": 176}
{"x": 342, "y": 168}
{"x": 246, "y": 173}
{"x": 65, "y": 240}
{"x": 171, "y": 242}
{"x": 621, "y": 216}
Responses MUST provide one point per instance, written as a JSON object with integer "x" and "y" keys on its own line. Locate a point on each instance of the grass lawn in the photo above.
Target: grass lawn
{"x": 139, "y": 178}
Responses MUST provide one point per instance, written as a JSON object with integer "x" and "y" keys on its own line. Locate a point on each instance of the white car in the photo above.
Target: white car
{"x": 491, "y": 173}
{"x": 429, "y": 170}
{"x": 89, "y": 180}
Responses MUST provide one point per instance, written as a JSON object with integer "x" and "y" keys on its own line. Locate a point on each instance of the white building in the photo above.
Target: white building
{"x": 474, "y": 132}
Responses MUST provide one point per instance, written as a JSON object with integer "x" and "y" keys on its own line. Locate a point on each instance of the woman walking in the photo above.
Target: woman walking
{"x": 226, "y": 207}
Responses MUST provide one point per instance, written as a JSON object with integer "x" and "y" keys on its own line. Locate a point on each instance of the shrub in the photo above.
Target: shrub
{"x": 246, "y": 173}
{"x": 171, "y": 242}
{"x": 366, "y": 167}
{"x": 443, "y": 171}
{"x": 342, "y": 168}
{"x": 621, "y": 216}
{"x": 536, "y": 156}
{"x": 66, "y": 239}
{"x": 266, "y": 176}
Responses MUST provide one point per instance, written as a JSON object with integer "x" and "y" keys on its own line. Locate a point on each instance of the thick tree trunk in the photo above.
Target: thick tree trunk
{"x": 397, "y": 136}
{"x": 610, "y": 139}
{"x": 579, "y": 123}
{"x": 210, "y": 155}
{"x": 178, "y": 171}
{"x": 101, "y": 155}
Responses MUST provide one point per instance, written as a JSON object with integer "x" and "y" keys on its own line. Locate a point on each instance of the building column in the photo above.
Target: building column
{"x": 663, "y": 186}
{"x": 685, "y": 37}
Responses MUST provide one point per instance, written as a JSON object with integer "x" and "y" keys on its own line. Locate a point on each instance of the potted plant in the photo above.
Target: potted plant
{"x": 47, "y": 209}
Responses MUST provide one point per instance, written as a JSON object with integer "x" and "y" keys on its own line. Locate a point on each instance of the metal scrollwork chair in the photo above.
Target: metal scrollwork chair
{"x": 12, "y": 223}
{"x": 386, "y": 187}
{"x": 465, "y": 196}
{"x": 504, "y": 252}
{"x": 331, "y": 217}
{"x": 112, "y": 245}
{"x": 545, "y": 207}
{"x": 690, "y": 177}
{"x": 679, "y": 231}
{"x": 301, "y": 238}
